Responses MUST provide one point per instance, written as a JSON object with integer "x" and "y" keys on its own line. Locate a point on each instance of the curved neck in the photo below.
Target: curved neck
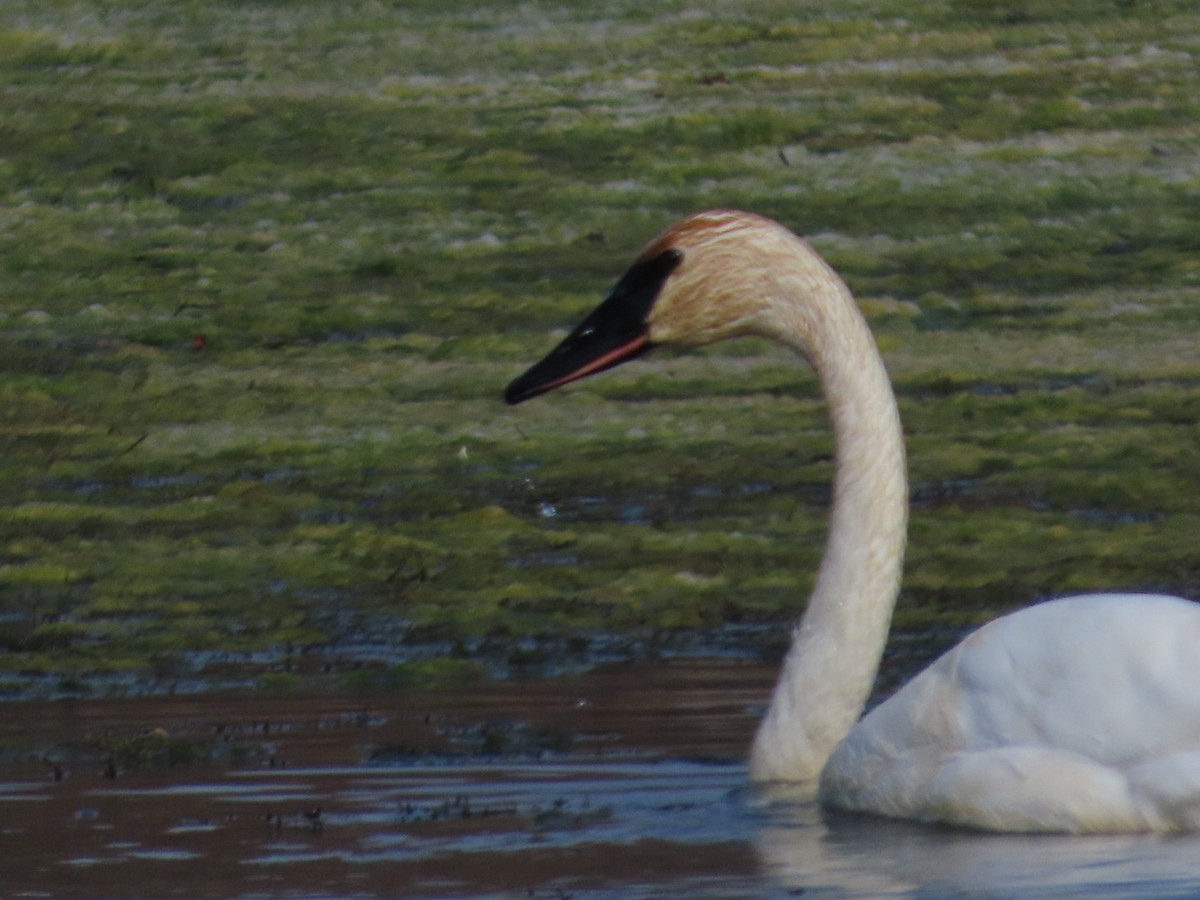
{"x": 836, "y": 647}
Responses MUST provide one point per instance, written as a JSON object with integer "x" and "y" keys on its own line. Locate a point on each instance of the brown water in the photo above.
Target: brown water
{"x": 623, "y": 783}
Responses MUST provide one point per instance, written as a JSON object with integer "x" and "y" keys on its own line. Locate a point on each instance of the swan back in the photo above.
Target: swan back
{"x": 1078, "y": 714}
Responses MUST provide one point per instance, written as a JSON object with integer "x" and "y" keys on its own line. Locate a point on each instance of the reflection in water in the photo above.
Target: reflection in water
{"x": 641, "y": 794}
{"x": 517, "y": 828}
{"x": 831, "y": 854}
{"x": 541, "y": 829}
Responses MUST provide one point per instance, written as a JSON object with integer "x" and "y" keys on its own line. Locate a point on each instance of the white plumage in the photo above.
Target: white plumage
{"x": 1079, "y": 714}
{"x": 1075, "y": 715}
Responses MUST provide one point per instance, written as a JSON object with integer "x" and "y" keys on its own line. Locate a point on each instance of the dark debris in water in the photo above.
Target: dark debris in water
{"x": 387, "y": 654}
{"x": 386, "y": 660}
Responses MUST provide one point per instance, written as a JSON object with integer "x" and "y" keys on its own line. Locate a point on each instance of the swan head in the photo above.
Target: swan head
{"x": 711, "y": 276}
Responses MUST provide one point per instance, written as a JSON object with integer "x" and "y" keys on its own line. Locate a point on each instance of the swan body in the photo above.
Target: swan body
{"x": 1079, "y": 714}
{"x": 1076, "y": 715}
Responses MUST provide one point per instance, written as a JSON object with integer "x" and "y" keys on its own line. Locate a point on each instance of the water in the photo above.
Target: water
{"x": 624, "y": 783}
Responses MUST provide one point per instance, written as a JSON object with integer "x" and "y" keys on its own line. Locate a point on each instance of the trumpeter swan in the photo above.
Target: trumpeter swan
{"x": 1076, "y": 715}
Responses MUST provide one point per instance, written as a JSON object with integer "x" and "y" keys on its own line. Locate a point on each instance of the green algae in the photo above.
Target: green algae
{"x": 267, "y": 270}
{"x": 420, "y": 674}
{"x": 149, "y": 750}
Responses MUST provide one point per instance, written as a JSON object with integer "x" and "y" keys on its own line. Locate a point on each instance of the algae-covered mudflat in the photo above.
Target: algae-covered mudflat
{"x": 267, "y": 267}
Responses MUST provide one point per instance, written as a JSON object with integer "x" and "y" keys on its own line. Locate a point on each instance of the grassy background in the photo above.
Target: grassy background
{"x": 372, "y": 215}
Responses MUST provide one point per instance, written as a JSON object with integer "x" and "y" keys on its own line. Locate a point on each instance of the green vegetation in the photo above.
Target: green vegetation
{"x": 265, "y": 269}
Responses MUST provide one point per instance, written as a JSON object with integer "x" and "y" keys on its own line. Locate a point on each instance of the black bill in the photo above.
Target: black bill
{"x": 615, "y": 331}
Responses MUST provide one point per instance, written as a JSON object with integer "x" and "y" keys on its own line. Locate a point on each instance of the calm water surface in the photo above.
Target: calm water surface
{"x": 627, "y": 782}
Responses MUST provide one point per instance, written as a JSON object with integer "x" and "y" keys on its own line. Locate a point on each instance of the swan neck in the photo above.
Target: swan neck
{"x": 830, "y": 668}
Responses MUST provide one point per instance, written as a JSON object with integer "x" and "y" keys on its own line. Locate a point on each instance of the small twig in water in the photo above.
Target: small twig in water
{"x": 135, "y": 444}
